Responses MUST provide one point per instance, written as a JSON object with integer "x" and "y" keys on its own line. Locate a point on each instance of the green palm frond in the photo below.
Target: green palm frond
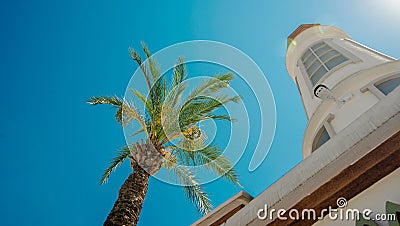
{"x": 114, "y": 101}
{"x": 197, "y": 110}
{"x": 136, "y": 57}
{"x": 225, "y": 80}
{"x": 206, "y": 104}
{"x": 130, "y": 112}
{"x": 193, "y": 191}
{"x": 219, "y": 117}
{"x": 118, "y": 115}
{"x": 175, "y": 95}
{"x": 157, "y": 97}
{"x": 212, "y": 158}
{"x": 213, "y": 85}
{"x": 179, "y": 72}
{"x": 201, "y": 108}
{"x": 143, "y": 99}
{"x": 152, "y": 107}
{"x": 137, "y": 133}
{"x": 177, "y": 86}
{"x": 121, "y": 156}
{"x": 199, "y": 197}
{"x": 152, "y": 64}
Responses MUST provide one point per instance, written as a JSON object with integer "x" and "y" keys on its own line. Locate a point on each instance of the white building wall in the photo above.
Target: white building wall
{"x": 373, "y": 198}
{"x": 359, "y": 102}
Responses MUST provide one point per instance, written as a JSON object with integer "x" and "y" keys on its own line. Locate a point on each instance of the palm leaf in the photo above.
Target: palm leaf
{"x": 201, "y": 108}
{"x": 143, "y": 99}
{"x": 137, "y": 133}
{"x": 213, "y": 85}
{"x": 212, "y": 158}
{"x": 177, "y": 86}
{"x": 136, "y": 57}
{"x": 152, "y": 64}
{"x": 113, "y": 101}
{"x": 193, "y": 191}
{"x": 179, "y": 72}
{"x": 130, "y": 112}
{"x": 156, "y": 98}
{"x": 121, "y": 156}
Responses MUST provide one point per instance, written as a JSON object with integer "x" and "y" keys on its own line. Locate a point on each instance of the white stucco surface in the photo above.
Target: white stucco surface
{"x": 374, "y": 198}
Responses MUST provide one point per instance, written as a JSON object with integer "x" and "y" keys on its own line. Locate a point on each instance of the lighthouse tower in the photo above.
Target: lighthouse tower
{"x": 338, "y": 79}
{"x": 351, "y": 145}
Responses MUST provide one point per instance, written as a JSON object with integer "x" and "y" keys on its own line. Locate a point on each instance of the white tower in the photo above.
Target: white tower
{"x": 356, "y": 78}
{"x": 352, "y": 100}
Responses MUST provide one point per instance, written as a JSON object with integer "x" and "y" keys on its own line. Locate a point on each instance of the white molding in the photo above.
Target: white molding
{"x": 351, "y": 41}
{"x": 371, "y": 86}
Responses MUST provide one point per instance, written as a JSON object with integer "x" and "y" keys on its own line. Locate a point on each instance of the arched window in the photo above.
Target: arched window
{"x": 321, "y": 138}
{"x": 382, "y": 86}
{"x": 319, "y": 59}
{"x": 389, "y": 85}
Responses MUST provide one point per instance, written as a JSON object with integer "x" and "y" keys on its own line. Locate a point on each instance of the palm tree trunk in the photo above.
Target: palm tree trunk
{"x": 127, "y": 208}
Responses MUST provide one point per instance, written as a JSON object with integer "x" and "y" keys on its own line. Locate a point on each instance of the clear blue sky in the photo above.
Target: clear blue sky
{"x": 56, "y": 54}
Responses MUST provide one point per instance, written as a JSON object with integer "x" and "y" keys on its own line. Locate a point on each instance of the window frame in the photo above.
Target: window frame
{"x": 329, "y": 129}
{"x": 371, "y": 86}
{"x": 329, "y": 42}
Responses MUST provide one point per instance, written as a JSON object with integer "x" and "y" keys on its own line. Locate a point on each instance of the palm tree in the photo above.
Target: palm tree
{"x": 147, "y": 157}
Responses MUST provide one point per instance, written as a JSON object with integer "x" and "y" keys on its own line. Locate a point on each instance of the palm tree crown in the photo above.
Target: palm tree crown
{"x": 163, "y": 101}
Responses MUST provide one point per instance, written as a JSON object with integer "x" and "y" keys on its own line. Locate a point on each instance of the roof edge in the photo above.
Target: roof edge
{"x": 299, "y": 30}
